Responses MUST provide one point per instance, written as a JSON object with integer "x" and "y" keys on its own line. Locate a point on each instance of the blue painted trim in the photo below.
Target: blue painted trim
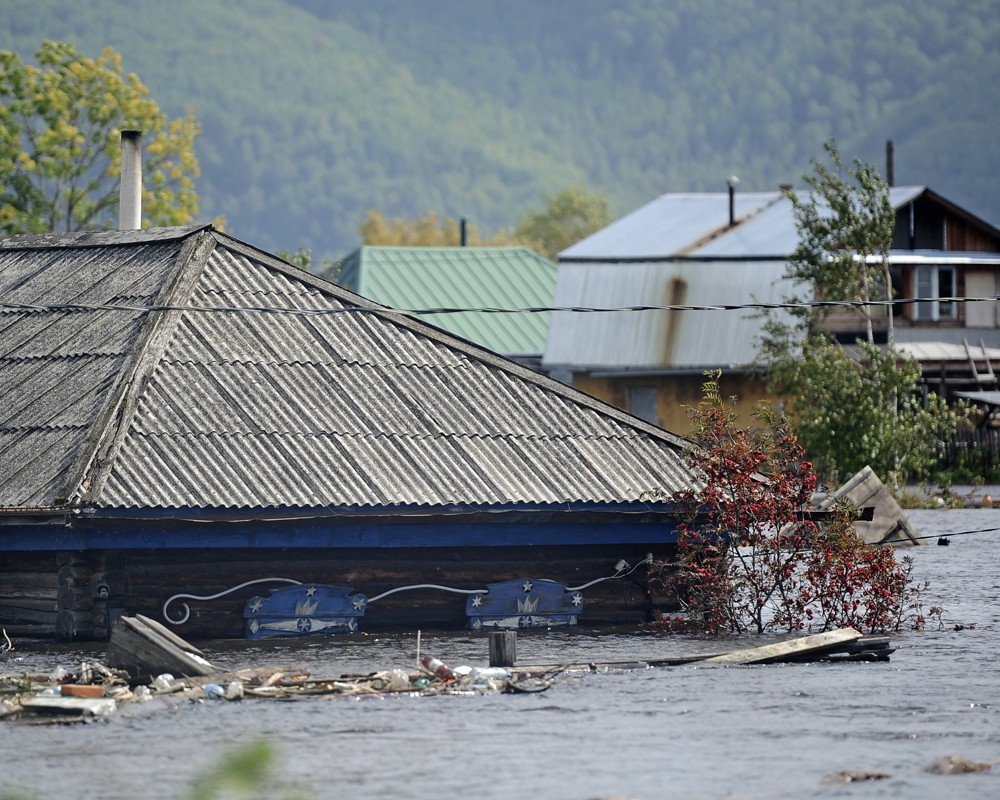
{"x": 326, "y": 533}
{"x": 354, "y": 512}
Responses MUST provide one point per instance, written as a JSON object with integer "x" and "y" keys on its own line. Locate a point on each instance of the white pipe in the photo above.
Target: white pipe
{"x": 130, "y": 197}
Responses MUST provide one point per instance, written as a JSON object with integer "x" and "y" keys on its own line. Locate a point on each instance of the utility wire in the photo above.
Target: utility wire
{"x": 949, "y": 535}
{"x": 310, "y": 312}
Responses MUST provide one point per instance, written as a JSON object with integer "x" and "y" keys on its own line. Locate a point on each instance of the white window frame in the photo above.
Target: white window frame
{"x": 928, "y": 282}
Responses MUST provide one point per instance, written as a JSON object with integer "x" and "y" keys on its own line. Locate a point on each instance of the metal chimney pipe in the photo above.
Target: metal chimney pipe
{"x": 890, "y": 166}
{"x": 462, "y": 233}
{"x": 130, "y": 194}
{"x": 733, "y": 180}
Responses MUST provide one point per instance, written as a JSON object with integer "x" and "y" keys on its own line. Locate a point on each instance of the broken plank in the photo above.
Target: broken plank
{"x": 792, "y": 648}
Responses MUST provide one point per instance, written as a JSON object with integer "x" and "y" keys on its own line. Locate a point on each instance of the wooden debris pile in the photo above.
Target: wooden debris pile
{"x": 139, "y": 654}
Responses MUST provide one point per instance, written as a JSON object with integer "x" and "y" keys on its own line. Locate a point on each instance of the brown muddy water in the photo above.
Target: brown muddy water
{"x": 678, "y": 732}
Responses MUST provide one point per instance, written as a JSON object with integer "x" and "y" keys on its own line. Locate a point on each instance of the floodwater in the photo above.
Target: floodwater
{"x": 677, "y": 732}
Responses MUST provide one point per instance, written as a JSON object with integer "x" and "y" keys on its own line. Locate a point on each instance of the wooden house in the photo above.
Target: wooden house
{"x": 189, "y": 424}
{"x": 716, "y": 251}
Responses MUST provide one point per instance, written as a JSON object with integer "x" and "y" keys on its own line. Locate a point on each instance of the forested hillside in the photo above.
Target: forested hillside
{"x": 315, "y": 111}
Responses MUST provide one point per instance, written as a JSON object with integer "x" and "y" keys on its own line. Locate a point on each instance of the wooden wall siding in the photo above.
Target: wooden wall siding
{"x": 87, "y": 593}
{"x": 963, "y": 237}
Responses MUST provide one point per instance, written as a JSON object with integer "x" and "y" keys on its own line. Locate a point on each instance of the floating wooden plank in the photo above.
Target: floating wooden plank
{"x": 80, "y": 706}
{"x": 792, "y": 648}
{"x": 889, "y": 524}
{"x": 144, "y": 648}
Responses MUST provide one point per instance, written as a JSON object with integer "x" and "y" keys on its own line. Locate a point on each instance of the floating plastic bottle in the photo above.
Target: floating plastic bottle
{"x": 163, "y": 683}
{"x": 213, "y": 691}
{"x": 439, "y": 668}
{"x": 399, "y": 680}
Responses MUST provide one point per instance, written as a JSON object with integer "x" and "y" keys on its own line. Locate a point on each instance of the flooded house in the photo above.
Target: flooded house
{"x": 194, "y": 430}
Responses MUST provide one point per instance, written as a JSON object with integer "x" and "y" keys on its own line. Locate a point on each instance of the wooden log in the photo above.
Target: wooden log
{"x": 782, "y": 651}
{"x": 73, "y": 575}
{"x": 29, "y": 580}
{"x": 74, "y": 626}
{"x": 24, "y": 592}
{"x": 36, "y": 611}
{"x": 75, "y": 598}
{"x": 503, "y": 648}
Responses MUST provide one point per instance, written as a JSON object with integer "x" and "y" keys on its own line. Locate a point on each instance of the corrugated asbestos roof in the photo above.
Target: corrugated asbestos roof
{"x": 462, "y": 277}
{"x": 241, "y": 409}
{"x": 678, "y": 249}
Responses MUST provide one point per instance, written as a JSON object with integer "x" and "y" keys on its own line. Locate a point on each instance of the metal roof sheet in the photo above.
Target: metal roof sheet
{"x": 462, "y": 277}
{"x": 680, "y": 340}
{"x": 678, "y": 249}
{"x": 686, "y": 225}
{"x": 231, "y": 402}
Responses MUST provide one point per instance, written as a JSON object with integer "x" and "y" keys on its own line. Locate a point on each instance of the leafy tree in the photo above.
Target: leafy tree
{"x": 426, "y": 231}
{"x": 60, "y": 149}
{"x": 869, "y": 408}
{"x": 568, "y": 216}
{"x": 749, "y": 560}
{"x": 303, "y": 259}
{"x": 845, "y": 227}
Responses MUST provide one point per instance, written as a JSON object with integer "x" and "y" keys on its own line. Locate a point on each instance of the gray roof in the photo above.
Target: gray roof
{"x": 247, "y": 406}
{"x": 697, "y": 225}
{"x": 678, "y": 249}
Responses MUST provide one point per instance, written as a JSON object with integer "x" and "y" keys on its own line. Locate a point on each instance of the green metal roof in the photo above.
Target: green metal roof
{"x": 462, "y": 277}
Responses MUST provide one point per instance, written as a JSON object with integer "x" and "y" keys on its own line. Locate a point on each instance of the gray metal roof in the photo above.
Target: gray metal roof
{"x": 359, "y": 408}
{"x": 697, "y": 225}
{"x": 678, "y": 249}
{"x": 680, "y": 340}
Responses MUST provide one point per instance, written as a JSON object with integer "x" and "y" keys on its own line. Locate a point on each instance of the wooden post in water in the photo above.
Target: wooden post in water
{"x": 503, "y": 648}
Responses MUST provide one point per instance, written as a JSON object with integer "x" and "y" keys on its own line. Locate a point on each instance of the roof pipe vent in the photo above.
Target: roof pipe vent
{"x": 890, "y": 165}
{"x": 130, "y": 193}
{"x": 463, "y": 237}
{"x": 733, "y": 180}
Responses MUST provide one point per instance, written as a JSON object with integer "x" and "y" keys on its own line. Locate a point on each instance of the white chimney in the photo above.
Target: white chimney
{"x": 130, "y": 197}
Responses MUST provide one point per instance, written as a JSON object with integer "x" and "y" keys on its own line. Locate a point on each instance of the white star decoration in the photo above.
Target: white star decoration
{"x": 255, "y": 605}
{"x": 577, "y": 599}
{"x": 527, "y": 586}
{"x": 359, "y": 602}
{"x": 477, "y": 600}
{"x": 310, "y": 591}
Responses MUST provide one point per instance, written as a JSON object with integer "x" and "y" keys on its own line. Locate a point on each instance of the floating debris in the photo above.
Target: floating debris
{"x": 956, "y": 765}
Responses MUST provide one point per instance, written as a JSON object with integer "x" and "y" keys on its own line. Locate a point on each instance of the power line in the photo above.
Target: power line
{"x": 309, "y": 312}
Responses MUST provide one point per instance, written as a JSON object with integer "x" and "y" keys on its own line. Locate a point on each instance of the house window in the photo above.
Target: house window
{"x": 932, "y": 283}
{"x": 642, "y": 403}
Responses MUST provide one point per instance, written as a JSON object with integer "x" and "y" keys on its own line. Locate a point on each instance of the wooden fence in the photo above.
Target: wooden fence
{"x": 977, "y": 450}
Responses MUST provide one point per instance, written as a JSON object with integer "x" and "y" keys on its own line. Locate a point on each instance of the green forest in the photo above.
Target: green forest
{"x": 315, "y": 111}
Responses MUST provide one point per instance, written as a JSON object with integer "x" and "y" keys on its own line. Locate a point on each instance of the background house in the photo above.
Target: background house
{"x": 182, "y": 413}
{"x": 716, "y": 250}
{"x": 462, "y": 277}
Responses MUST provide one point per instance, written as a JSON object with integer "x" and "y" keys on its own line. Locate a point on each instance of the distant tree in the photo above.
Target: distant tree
{"x": 303, "y": 259}
{"x": 60, "y": 145}
{"x": 426, "y": 231}
{"x": 568, "y": 216}
{"x": 866, "y": 409}
{"x": 845, "y": 226}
